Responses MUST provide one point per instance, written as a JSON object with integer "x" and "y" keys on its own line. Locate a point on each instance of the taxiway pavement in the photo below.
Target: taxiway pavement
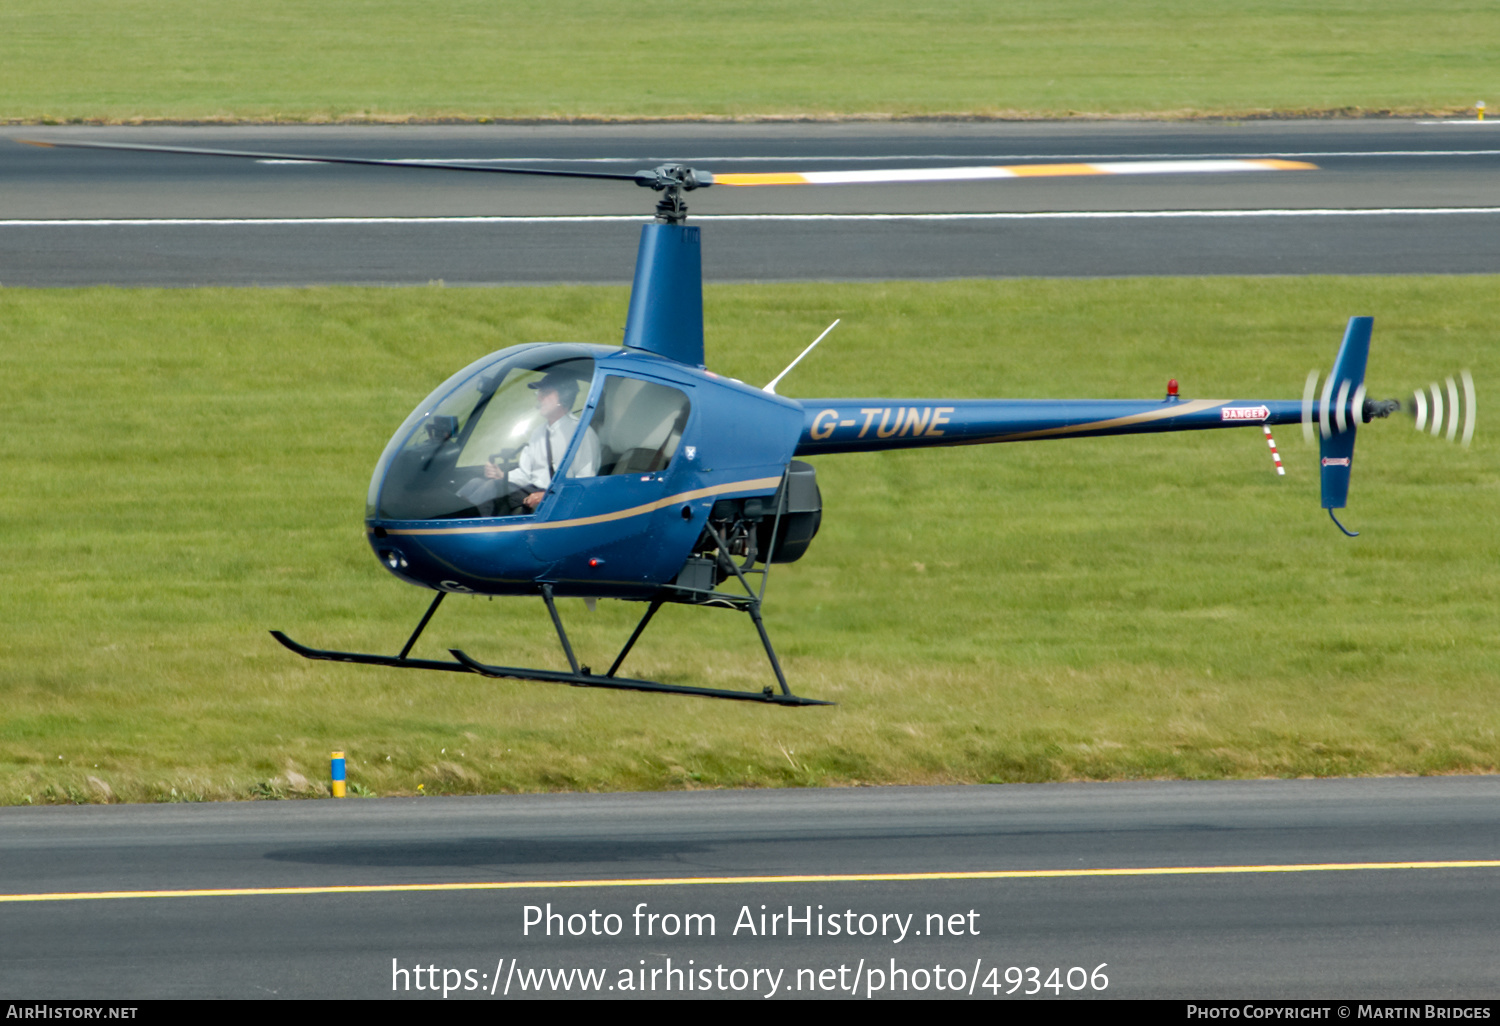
{"x": 1389, "y": 196}
{"x": 1354, "y": 927}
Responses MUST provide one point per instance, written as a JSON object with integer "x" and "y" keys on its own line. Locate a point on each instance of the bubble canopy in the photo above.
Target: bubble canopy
{"x": 481, "y": 417}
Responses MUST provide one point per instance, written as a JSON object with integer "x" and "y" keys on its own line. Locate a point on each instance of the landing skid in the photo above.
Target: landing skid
{"x": 591, "y": 680}
{"x": 367, "y": 659}
{"x": 581, "y": 676}
{"x": 380, "y": 660}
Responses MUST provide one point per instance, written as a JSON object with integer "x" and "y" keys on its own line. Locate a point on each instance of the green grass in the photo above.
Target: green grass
{"x": 184, "y": 469}
{"x": 356, "y": 59}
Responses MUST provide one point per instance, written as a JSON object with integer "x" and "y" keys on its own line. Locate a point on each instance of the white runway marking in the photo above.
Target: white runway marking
{"x": 1046, "y": 215}
{"x": 875, "y": 176}
{"x": 894, "y": 157}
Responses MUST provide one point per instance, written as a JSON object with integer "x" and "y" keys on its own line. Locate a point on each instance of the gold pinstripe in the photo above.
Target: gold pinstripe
{"x": 602, "y": 518}
{"x": 1174, "y": 410}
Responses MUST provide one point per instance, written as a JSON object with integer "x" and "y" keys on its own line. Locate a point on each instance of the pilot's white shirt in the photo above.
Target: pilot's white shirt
{"x": 533, "y": 472}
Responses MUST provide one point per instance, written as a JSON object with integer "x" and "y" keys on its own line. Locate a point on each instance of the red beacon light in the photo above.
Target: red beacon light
{"x": 1172, "y": 395}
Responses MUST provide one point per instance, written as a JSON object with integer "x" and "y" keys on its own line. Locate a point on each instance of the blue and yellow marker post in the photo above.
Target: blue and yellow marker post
{"x": 338, "y": 774}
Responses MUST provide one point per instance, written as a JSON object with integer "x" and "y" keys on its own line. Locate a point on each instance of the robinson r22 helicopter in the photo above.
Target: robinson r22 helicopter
{"x": 670, "y": 483}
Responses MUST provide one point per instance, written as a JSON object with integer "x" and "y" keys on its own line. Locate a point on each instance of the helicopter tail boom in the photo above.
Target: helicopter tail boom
{"x": 872, "y": 425}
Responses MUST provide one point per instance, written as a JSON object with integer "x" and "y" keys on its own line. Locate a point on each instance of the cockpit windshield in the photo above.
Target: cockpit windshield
{"x": 490, "y": 439}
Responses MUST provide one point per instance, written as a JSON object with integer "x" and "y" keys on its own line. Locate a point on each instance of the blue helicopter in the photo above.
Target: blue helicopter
{"x": 633, "y": 472}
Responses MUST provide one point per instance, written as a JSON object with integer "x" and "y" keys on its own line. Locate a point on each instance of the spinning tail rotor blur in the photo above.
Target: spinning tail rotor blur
{"x": 1428, "y": 407}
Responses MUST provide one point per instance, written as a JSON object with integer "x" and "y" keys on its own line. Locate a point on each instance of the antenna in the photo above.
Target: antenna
{"x": 771, "y": 388}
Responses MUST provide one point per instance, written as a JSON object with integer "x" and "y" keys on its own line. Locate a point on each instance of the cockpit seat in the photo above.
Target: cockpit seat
{"x": 640, "y": 460}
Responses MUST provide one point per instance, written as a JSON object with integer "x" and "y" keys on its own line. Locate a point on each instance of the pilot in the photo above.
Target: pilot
{"x": 522, "y": 489}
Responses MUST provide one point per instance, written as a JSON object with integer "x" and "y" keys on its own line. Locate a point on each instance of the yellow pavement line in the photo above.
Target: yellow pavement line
{"x": 710, "y": 881}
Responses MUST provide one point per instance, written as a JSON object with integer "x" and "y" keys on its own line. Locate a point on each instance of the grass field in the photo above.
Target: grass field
{"x": 185, "y": 469}
{"x": 359, "y": 59}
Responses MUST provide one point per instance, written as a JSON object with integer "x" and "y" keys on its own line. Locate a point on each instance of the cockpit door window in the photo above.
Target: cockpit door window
{"x": 638, "y": 424}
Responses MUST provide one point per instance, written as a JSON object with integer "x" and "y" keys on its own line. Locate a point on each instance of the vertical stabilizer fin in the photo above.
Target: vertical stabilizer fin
{"x": 1336, "y": 447}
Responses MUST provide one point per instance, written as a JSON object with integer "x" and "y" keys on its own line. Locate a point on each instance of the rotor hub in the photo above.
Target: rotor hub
{"x": 672, "y": 180}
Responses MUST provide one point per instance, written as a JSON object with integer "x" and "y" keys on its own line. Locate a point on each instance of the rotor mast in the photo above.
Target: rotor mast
{"x": 666, "y": 298}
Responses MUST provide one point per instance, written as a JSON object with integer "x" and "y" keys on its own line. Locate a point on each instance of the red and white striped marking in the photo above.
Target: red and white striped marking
{"x": 1274, "y": 454}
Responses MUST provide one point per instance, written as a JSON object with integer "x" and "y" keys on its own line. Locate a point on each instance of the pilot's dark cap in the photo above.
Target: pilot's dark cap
{"x": 557, "y": 381}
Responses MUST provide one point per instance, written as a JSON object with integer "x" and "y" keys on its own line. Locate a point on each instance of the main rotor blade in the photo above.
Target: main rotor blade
{"x": 965, "y": 174}
{"x": 691, "y": 179}
{"x": 304, "y": 158}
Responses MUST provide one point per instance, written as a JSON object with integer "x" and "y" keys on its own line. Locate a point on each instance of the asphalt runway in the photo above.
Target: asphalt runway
{"x": 1343, "y": 924}
{"x": 1388, "y": 197}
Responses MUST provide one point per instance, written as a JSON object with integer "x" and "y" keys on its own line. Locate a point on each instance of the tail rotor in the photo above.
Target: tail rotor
{"x": 1337, "y": 417}
{"x": 1436, "y": 406}
{"x": 1332, "y": 413}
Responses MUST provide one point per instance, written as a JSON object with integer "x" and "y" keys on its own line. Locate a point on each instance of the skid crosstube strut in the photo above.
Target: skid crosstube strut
{"x": 579, "y": 677}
